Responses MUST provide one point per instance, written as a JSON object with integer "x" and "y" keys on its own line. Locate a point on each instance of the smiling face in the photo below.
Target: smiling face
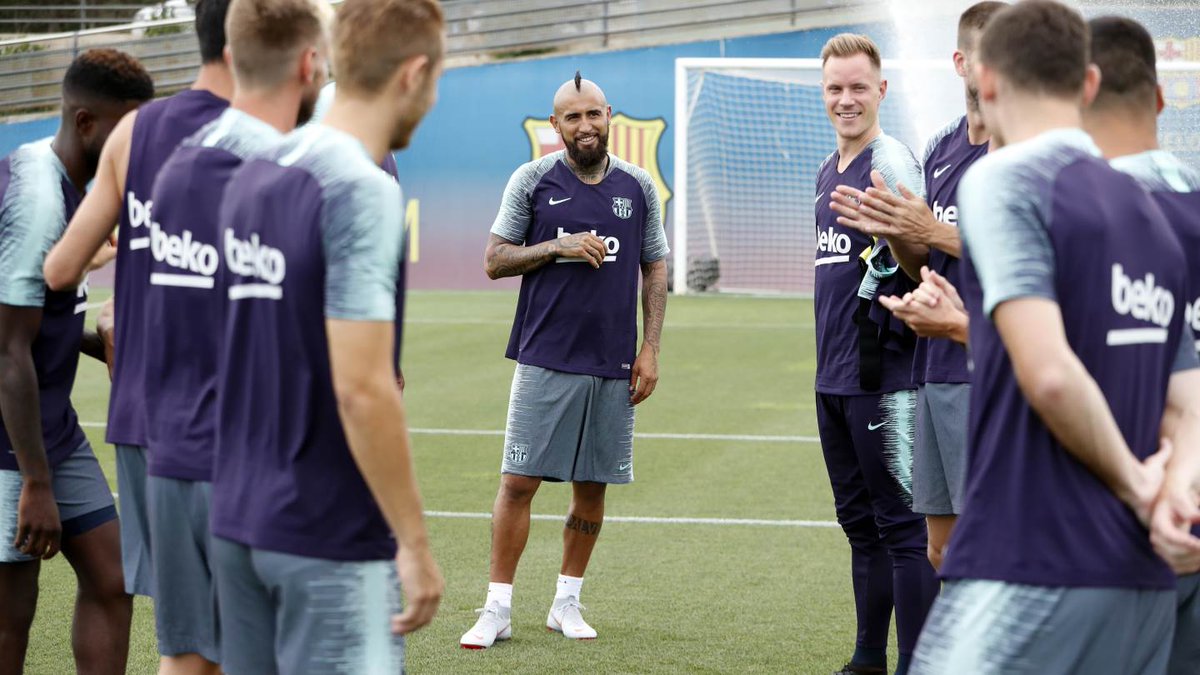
{"x": 582, "y": 119}
{"x": 853, "y": 89}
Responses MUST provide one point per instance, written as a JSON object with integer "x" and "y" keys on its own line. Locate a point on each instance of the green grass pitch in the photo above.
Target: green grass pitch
{"x": 666, "y": 597}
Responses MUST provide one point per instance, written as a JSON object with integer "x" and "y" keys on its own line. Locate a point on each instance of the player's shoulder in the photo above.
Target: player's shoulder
{"x": 529, "y": 174}
{"x": 36, "y": 173}
{"x": 941, "y": 137}
{"x": 235, "y": 132}
{"x": 890, "y": 151}
{"x": 1159, "y": 171}
{"x": 642, "y": 176}
{"x": 827, "y": 163}
{"x": 1037, "y": 161}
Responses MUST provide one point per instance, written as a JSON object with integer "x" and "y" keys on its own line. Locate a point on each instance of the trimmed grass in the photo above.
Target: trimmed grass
{"x": 665, "y": 597}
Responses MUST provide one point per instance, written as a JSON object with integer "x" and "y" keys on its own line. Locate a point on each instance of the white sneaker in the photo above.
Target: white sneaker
{"x": 565, "y": 618}
{"x": 495, "y": 623}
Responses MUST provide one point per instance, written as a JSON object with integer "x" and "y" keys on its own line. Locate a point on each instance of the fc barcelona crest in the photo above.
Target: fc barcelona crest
{"x": 623, "y": 207}
{"x": 633, "y": 140}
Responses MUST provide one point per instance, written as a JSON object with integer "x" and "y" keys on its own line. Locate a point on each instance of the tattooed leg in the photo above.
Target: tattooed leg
{"x": 582, "y": 527}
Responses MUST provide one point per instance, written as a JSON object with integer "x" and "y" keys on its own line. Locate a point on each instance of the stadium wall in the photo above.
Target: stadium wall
{"x": 489, "y": 119}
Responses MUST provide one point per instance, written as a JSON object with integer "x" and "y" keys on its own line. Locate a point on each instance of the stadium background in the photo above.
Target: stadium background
{"x": 476, "y": 135}
{"x": 723, "y": 557}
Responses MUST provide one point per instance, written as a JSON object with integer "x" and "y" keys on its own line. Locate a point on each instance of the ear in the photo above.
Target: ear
{"x": 883, "y": 89}
{"x": 414, "y": 71}
{"x": 960, "y": 63}
{"x": 608, "y": 113}
{"x": 227, "y": 56}
{"x": 1091, "y": 84}
{"x": 554, "y": 123}
{"x": 85, "y": 122}
{"x": 1160, "y": 100}
{"x": 308, "y": 65}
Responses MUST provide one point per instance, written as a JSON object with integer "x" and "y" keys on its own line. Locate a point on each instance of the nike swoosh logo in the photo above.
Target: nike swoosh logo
{"x": 623, "y": 467}
{"x": 556, "y": 203}
{"x": 944, "y": 169}
{"x": 818, "y": 199}
{"x": 873, "y": 427}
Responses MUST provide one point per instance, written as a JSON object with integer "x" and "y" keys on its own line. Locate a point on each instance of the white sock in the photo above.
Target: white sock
{"x": 501, "y": 593}
{"x": 568, "y": 586}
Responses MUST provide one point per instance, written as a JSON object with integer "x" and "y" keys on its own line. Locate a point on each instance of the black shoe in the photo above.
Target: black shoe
{"x": 851, "y": 669}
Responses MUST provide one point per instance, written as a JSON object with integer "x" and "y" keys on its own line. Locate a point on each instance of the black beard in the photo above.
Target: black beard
{"x": 587, "y": 159}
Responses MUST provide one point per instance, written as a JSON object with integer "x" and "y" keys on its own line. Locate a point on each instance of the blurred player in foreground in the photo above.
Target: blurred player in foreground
{"x": 577, "y": 226}
{"x": 278, "y": 52}
{"x": 1051, "y": 568}
{"x": 315, "y": 507}
{"x": 864, "y": 390}
{"x": 129, "y": 163}
{"x": 53, "y": 494}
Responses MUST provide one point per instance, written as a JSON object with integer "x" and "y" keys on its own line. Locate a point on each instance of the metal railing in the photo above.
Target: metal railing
{"x": 82, "y": 15}
{"x": 477, "y": 31}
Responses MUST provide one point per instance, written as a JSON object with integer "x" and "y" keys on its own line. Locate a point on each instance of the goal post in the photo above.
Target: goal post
{"x": 751, "y": 133}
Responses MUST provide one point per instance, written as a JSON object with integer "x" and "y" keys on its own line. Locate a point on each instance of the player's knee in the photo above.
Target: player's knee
{"x": 518, "y": 489}
{"x": 591, "y": 494}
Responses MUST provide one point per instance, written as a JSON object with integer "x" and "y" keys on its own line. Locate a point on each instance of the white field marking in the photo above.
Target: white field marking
{"x": 93, "y": 305}
{"x": 645, "y": 519}
{"x": 671, "y": 437}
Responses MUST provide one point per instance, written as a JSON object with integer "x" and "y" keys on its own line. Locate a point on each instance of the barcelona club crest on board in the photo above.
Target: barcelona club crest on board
{"x": 633, "y": 140}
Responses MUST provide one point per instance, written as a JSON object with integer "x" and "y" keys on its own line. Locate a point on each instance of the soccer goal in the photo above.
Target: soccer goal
{"x": 750, "y": 135}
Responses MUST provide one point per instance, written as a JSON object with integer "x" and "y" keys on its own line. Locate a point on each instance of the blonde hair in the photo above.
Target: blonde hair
{"x": 845, "y": 45}
{"x": 265, "y": 36}
{"x": 373, "y": 37}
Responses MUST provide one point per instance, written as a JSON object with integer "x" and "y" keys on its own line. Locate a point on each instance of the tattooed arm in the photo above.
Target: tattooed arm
{"x": 654, "y": 308}
{"x": 503, "y": 258}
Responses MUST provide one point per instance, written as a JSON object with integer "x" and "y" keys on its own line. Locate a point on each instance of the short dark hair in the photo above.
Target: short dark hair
{"x": 210, "y": 28}
{"x": 974, "y": 19}
{"x": 1040, "y": 46}
{"x": 1124, "y": 51}
{"x": 107, "y": 75}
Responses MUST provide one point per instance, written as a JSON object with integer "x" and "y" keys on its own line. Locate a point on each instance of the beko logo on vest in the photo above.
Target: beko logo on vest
{"x": 837, "y": 243}
{"x": 611, "y": 246}
{"x": 251, "y": 258}
{"x": 945, "y": 214}
{"x": 1191, "y": 315}
{"x": 139, "y": 216}
{"x": 1143, "y": 300}
{"x": 185, "y": 253}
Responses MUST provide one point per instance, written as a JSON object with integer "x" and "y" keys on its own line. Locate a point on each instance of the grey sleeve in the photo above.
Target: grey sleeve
{"x": 654, "y": 239}
{"x": 1005, "y": 235}
{"x": 1185, "y": 356}
{"x": 895, "y": 161}
{"x": 516, "y": 207}
{"x": 363, "y": 237}
{"x": 32, "y": 218}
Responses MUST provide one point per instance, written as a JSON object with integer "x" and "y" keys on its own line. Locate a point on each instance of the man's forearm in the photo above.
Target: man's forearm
{"x": 21, "y": 411}
{"x": 911, "y": 257}
{"x": 93, "y": 346}
{"x": 510, "y": 260}
{"x": 946, "y": 239}
{"x": 654, "y": 302}
{"x": 377, "y": 432}
{"x": 1072, "y": 406}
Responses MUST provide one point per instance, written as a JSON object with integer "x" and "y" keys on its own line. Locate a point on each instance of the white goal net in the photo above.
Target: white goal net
{"x": 750, "y": 135}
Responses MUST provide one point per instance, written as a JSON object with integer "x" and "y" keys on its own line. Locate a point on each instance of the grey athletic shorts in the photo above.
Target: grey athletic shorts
{"x": 1185, "y": 649}
{"x": 135, "y": 521}
{"x": 84, "y": 499}
{"x": 939, "y": 455}
{"x": 293, "y": 615}
{"x": 185, "y": 600}
{"x": 986, "y": 627}
{"x": 568, "y": 427}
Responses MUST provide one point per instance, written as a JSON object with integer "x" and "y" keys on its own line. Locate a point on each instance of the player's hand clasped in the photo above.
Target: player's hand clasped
{"x": 881, "y": 213}
{"x": 582, "y": 245}
{"x": 1175, "y": 512}
{"x": 39, "y": 530}
{"x": 934, "y": 309}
